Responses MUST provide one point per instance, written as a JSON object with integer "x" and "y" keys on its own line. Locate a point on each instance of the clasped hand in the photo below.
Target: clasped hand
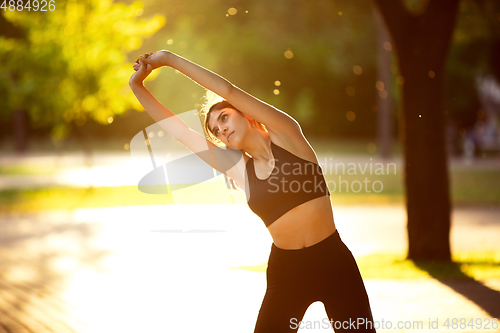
{"x": 144, "y": 65}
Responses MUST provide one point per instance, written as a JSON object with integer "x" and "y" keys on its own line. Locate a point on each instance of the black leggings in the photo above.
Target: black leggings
{"x": 325, "y": 272}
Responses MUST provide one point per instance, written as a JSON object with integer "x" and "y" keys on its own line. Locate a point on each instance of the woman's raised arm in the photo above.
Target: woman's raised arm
{"x": 224, "y": 161}
{"x": 275, "y": 120}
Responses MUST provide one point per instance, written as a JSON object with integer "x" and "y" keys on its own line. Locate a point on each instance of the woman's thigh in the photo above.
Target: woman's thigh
{"x": 344, "y": 294}
{"x": 282, "y": 309}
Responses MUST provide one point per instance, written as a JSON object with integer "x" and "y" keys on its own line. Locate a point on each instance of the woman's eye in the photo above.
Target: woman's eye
{"x": 224, "y": 117}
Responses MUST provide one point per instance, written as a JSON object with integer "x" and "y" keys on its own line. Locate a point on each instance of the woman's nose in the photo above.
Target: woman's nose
{"x": 224, "y": 129}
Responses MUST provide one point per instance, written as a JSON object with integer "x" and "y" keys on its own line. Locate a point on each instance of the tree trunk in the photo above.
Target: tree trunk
{"x": 422, "y": 42}
{"x": 20, "y": 119}
{"x": 384, "y": 103}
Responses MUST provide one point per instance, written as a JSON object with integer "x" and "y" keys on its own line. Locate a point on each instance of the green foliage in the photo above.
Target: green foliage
{"x": 71, "y": 65}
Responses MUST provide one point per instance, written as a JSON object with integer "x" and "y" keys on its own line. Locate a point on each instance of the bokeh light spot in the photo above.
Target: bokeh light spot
{"x": 276, "y": 91}
{"x": 277, "y": 83}
{"x": 126, "y": 146}
{"x": 340, "y": 13}
{"x": 288, "y": 54}
{"x": 160, "y": 134}
{"x": 387, "y": 46}
{"x": 379, "y": 85}
{"x": 351, "y": 116}
{"x": 350, "y": 91}
{"x": 170, "y": 41}
{"x": 400, "y": 79}
{"x": 432, "y": 74}
{"x": 383, "y": 94}
{"x": 232, "y": 11}
{"x": 110, "y": 120}
{"x": 357, "y": 70}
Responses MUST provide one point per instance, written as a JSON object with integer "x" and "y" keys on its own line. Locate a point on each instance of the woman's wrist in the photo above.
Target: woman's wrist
{"x": 167, "y": 58}
{"x": 135, "y": 85}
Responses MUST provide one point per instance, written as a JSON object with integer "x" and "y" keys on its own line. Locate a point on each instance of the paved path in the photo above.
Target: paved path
{"x": 172, "y": 269}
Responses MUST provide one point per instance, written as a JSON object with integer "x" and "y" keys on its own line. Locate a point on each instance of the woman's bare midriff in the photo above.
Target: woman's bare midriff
{"x": 304, "y": 225}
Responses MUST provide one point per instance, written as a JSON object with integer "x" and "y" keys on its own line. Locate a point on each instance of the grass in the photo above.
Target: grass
{"x": 25, "y": 170}
{"x": 24, "y": 200}
{"x": 476, "y": 265}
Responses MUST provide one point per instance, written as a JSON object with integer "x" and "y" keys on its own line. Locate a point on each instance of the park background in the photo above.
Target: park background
{"x": 68, "y": 116}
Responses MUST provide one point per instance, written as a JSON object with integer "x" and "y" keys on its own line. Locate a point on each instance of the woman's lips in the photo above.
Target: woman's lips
{"x": 230, "y": 135}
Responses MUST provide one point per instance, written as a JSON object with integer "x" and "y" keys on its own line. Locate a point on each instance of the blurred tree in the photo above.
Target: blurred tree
{"x": 472, "y": 55}
{"x": 70, "y": 65}
{"x": 422, "y": 31}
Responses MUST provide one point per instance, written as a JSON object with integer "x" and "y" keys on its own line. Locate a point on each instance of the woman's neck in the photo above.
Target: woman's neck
{"x": 259, "y": 146}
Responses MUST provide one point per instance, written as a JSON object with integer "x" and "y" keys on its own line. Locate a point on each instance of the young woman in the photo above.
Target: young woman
{"x": 285, "y": 186}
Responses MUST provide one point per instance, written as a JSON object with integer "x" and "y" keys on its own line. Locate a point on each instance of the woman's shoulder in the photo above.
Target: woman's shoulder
{"x": 295, "y": 143}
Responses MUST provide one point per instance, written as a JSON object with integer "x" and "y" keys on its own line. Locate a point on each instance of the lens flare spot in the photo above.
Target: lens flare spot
{"x": 351, "y": 116}
{"x": 379, "y": 85}
{"x": 383, "y": 94}
{"x": 350, "y": 91}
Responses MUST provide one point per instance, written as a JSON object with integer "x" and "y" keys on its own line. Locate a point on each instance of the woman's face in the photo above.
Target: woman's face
{"x": 230, "y": 126}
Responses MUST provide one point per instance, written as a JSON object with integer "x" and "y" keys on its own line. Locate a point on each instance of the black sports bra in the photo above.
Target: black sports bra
{"x": 292, "y": 182}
